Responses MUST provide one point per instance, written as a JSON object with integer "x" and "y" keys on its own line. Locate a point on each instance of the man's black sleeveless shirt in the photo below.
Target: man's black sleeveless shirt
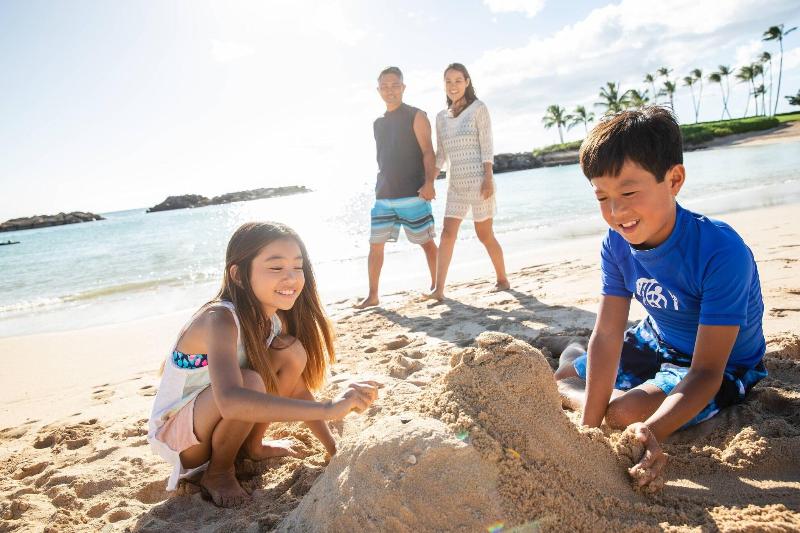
{"x": 400, "y": 169}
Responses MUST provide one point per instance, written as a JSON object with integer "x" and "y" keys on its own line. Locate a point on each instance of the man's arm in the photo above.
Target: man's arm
{"x": 605, "y": 347}
{"x": 711, "y": 351}
{"x": 422, "y": 130}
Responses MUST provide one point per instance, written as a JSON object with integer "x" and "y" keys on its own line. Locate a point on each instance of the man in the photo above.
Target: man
{"x": 404, "y": 190}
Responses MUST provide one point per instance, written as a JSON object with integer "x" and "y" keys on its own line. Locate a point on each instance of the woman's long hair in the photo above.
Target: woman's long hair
{"x": 306, "y": 320}
{"x": 469, "y": 93}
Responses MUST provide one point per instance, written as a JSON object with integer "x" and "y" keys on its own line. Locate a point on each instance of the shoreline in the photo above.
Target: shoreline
{"x": 75, "y": 405}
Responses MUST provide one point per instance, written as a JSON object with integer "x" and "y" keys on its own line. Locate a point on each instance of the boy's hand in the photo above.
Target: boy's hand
{"x": 647, "y": 472}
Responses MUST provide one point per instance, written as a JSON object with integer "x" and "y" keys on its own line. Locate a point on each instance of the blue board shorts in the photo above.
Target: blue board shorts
{"x": 413, "y": 213}
{"x": 646, "y": 358}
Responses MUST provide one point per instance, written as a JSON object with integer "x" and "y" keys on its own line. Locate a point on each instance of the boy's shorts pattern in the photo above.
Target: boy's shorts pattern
{"x": 413, "y": 214}
{"x": 646, "y": 358}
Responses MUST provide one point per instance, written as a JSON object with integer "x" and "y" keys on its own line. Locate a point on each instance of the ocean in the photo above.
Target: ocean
{"x": 133, "y": 264}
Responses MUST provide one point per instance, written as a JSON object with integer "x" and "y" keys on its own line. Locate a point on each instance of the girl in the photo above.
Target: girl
{"x": 237, "y": 366}
{"x": 464, "y": 141}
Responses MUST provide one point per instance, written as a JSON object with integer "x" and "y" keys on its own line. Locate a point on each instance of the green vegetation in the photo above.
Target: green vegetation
{"x": 700, "y": 132}
{"x": 705, "y": 131}
{"x": 788, "y": 117}
{"x": 574, "y": 145}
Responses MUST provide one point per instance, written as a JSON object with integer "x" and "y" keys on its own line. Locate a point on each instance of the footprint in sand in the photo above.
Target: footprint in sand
{"x": 401, "y": 367}
{"x": 401, "y": 341}
{"x": 101, "y": 394}
{"x": 147, "y": 390}
{"x": 71, "y": 437}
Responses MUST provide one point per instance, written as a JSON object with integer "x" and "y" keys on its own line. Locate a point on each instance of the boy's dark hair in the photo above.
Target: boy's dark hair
{"x": 649, "y": 137}
{"x": 391, "y": 70}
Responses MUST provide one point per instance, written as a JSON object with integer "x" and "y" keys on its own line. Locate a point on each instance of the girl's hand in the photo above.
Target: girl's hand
{"x": 487, "y": 187}
{"x": 357, "y": 397}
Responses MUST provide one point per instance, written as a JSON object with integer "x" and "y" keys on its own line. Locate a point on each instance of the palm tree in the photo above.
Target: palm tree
{"x": 698, "y": 77}
{"x": 758, "y": 70}
{"x": 689, "y": 81}
{"x": 638, "y": 99}
{"x": 664, "y": 72}
{"x": 669, "y": 90}
{"x": 580, "y": 115}
{"x": 725, "y": 71}
{"x": 760, "y": 91}
{"x": 772, "y": 34}
{"x": 612, "y": 100}
{"x": 556, "y": 116}
{"x": 716, "y": 77}
{"x": 766, "y": 57}
{"x": 794, "y": 100}
{"x": 745, "y": 75}
{"x": 648, "y": 78}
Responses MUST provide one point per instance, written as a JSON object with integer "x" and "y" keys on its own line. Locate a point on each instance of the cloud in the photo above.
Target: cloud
{"x": 529, "y": 7}
{"x": 618, "y": 42}
{"x": 227, "y": 51}
{"x": 330, "y": 18}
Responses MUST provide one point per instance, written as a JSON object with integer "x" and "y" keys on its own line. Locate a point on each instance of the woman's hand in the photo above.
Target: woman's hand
{"x": 487, "y": 187}
{"x": 357, "y": 397}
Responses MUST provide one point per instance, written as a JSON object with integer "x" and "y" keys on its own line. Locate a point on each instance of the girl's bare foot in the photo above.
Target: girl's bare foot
{"x": 369, "y": 301}
{"x": 501, "y": 286}
{"x": 222, "y": 488}
{"x": 272, "y": 448}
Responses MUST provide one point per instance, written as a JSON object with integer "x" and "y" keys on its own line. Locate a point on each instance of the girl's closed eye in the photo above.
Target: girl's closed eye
{"x": 629, "y": 193}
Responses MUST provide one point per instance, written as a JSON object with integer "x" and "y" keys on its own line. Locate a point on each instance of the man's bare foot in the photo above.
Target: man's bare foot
{"x": 369, "y": 301}
{"x": 434, "y": 295}
{"x": 272, "y": 448}
{"x": 501, "y": 286}
{"x": 222, "y": 488}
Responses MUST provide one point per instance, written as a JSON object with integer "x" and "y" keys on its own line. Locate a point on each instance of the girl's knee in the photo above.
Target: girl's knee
{"x": 289, "y": 354}
{"x": 252, "y": 380}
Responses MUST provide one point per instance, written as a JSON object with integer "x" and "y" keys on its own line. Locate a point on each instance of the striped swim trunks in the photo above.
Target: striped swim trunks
{"x": 413, "y": 213}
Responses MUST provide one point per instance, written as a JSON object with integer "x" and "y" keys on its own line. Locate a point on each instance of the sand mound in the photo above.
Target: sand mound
{"x": 402, "y": 474}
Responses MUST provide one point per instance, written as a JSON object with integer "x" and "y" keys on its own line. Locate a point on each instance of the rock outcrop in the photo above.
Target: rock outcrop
{"x": 186, "y": 201}
{"x": 43, "y": 221}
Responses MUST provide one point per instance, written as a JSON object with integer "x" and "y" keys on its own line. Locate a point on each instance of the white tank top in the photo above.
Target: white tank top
{"x": 179, "y": 386}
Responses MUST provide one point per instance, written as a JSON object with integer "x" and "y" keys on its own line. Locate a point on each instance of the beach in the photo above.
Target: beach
{"x": 488, "y": 448}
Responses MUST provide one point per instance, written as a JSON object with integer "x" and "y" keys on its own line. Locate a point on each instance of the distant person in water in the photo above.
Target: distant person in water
{"x": 464, "y": 144}
{"x": 404, "y": 189}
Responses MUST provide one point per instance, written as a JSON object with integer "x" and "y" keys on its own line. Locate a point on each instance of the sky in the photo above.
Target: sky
{"x": 114, "y": 105}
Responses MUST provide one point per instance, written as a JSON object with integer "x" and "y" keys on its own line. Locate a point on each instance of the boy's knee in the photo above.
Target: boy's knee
{"x": 252, "y": 380}
{"x": 619, "y": 414}
{"x": 486, "y": 237}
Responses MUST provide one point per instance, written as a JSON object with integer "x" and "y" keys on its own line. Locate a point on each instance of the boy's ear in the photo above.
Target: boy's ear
{"x": 675, "y": 178}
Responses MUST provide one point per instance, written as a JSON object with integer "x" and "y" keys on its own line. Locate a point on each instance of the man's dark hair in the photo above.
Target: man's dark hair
{"x": 391, "y": 70}
{"x": 649, "y": 137}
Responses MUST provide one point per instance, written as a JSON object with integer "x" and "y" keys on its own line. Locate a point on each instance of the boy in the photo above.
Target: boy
{"x": 700, "y": 347}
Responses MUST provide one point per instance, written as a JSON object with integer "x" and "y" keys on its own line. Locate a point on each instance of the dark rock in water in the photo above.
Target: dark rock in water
{"x": 195, "y": 200}
{"x": 43, "y": 221}
{"x": 184, "y": 201}
{"x": 526, "y": 160}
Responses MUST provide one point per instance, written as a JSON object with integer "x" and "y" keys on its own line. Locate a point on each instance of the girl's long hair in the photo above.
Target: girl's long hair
{"x": 469, "y": 93}
{"x": 306, "y": 320}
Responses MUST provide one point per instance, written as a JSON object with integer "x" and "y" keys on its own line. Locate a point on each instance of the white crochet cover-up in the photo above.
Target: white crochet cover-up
{"x": 463, "y": 144}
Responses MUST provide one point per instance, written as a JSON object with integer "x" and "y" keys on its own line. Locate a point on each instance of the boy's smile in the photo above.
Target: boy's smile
{"x": 637, "y": 206}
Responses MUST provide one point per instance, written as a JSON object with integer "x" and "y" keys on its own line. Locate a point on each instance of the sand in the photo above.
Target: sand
{"x": 468, "y": 393}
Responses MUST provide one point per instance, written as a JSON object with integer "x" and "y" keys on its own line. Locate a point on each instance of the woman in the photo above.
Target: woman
{"x": 464, "y": 142}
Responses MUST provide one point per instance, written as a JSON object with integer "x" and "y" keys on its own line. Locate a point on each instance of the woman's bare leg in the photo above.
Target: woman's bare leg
{"x": 446, "y": 245}
{"x": 485, "y": 234}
